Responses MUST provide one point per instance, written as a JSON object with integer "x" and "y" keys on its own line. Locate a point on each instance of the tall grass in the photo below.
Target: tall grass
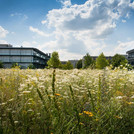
{"x": 66, "y": 102}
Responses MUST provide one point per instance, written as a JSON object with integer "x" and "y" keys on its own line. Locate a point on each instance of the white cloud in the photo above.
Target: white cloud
{"x": 3, "y": 32}
{"x": 3, "y": 42}
{"x": 36, "y": 30}
{"x": 29, "y": 44}
{"x": 26, "y": 44}
{"x": 123, "y": 47}
{"x": 43, "y": 21}
{"x": 65, "y": 55}
{"x": 82, "y": 28}
{"x": 92, "y": 15}
{"x": 34, "y": 44}
{"x": 66, "y": 3}
{"x": 132, "y": 4}
{"x": 124, "y": 21}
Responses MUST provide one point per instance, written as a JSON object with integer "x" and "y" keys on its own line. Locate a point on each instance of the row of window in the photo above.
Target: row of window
{"x": 20, "y": 52}
{"x": 131, "y": 55}
{"x": 15, "y": 52}
{"x": 15, "y": 59}
{"x": 20, "y": 59}
{"x": 39, "y": 55}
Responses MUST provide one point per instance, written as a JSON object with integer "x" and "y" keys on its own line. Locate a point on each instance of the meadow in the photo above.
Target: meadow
{"x": 74, "y": 101}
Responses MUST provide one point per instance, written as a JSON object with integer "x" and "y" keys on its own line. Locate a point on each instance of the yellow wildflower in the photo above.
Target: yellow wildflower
{"x": 80, "y": 113}
{"x": 118, "y": 93}
{"x": 81, "y": 123}
{"x": 118, "y": 117}
{"x": 129, "y": 103}
{"x": 88, "y": 113}
{"x": 57, "y": 94}
{"x": 97, "y": 119}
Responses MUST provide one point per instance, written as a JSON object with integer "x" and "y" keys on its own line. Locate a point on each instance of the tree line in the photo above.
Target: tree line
{"x": 87, "y": 62}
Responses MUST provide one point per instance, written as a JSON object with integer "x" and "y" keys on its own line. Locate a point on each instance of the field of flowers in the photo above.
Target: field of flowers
{"x": 74, "y": 101}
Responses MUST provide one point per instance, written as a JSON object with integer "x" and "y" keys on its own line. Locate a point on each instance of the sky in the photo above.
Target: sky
{"x": 70, "y": 27}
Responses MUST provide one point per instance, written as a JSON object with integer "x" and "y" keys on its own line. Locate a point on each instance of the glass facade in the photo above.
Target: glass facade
{"x": 131, "y": 57}
{"x": 26, "y": 52}
{"x": 4, "y": 51}
{"x": 15, "y": 52}
{"x": 4, "y": 58}
{"x": 23, "y": 56}
{"x": 39, "y": 55}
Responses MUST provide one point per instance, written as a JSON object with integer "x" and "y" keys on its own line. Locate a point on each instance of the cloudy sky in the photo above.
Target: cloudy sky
{"x": 70, "y": 27}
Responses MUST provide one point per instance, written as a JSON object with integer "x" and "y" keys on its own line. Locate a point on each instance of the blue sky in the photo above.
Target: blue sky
{"x": 71, "y": 27}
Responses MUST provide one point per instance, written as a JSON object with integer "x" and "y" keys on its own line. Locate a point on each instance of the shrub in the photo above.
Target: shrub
{"x": 31, "y": 66}
{"x": 1, "y": 64}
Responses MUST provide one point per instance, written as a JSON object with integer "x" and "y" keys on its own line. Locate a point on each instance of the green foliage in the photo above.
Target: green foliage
{"x": 79, "y": 64}
{"x": 93, "y": 65}
{"x": 15, "y": 65}
{"x": 1, "y": 64}
{"x": 126, "y": 66}
{"x": 31, "y": 66}
{"x": 101, "y": 61}
{"x": 67, "y": 66}
{"x": 87, "y": 60}
{"x": 109, "y": 62}
{"x": 118, "y": 60}
{"x": 54, "y": 61}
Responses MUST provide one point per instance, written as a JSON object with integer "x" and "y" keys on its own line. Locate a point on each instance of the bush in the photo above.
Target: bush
{"x": 31, "y": 66}
{"x": 15, "y": 65}
{"x": 1, "y": 64}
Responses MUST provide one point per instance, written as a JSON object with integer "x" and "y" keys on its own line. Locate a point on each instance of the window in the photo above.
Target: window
{"x": 15, "y": 52}
{"x": 26, "y": 52}
{"x": 4, "y": 51}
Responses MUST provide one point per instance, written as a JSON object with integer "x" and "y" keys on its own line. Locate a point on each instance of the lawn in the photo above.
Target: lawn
{"x": 74, "y": 101}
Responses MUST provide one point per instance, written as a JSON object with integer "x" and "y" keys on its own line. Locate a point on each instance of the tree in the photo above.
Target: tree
{"x": 87, "y": 60}
{"x": 1, "y": 64}
{"x": 118, "y": 60}
{"x": 68, "y": 65}
{"x": 101, "y": 61}
{"x": 15, "y": 65}
{"x": 54, "y": 61}
{"x": 79, "y": 64}
{"x": 31, "y": 66}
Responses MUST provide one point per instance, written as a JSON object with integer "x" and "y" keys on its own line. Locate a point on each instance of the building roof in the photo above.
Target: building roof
{"x": 5, "y": 46}
{"x": 130, "y": 51}
{"x": 8, "y": 46}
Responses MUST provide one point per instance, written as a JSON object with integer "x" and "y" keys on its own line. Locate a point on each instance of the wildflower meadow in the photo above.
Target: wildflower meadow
{"x": 48, "y": 101}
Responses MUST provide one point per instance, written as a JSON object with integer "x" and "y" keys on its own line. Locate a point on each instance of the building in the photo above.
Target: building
{"x": 107, "y": 57}
{"x": 24, "y": 56}
{"x": 130, "y": 57}
{"x": 74, "y": 63}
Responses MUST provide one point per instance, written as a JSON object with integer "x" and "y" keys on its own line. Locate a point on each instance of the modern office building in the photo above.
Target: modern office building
{"x": 24, "y": 56}
{"x": 130, "y": 57}
{"x": 74, "y": 63}
{"x": 107, "y": 57}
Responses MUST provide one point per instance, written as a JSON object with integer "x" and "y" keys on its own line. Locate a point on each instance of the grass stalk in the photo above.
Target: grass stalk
{"x": 75, "y": 108}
